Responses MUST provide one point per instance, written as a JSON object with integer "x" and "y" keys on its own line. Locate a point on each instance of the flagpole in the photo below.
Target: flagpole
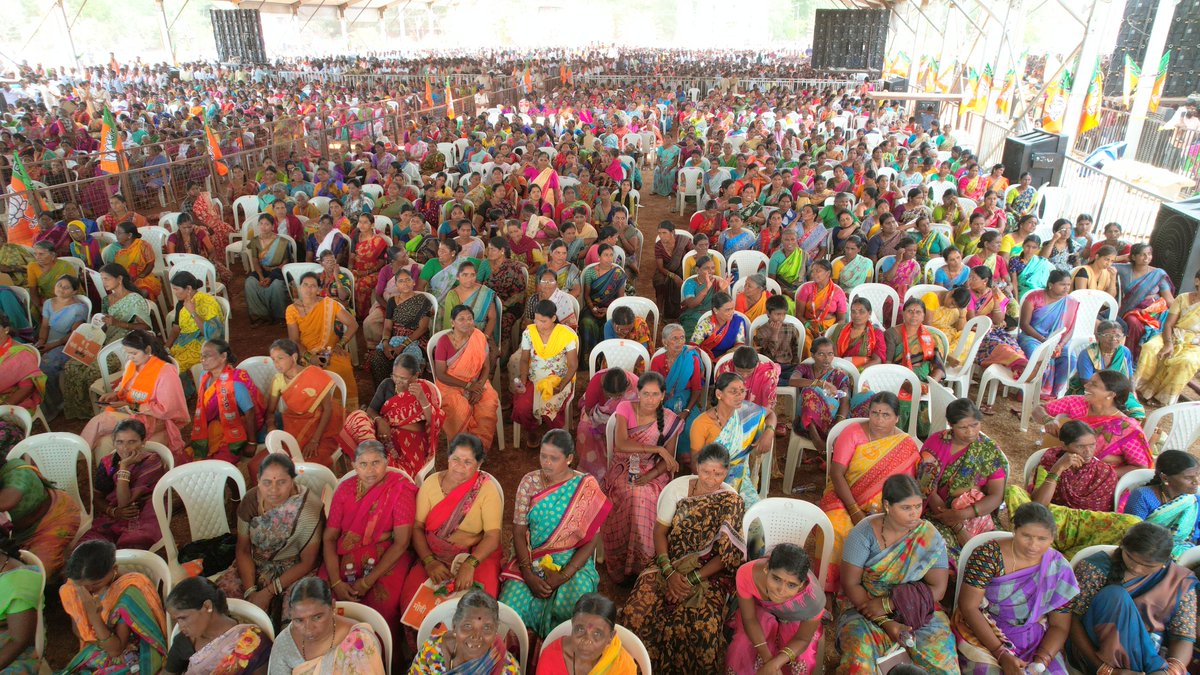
{"x": 1157, "y": 41}
{"x": 1088, "y": 59}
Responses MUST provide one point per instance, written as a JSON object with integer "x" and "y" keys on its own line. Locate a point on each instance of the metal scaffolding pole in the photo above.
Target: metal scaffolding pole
{"x": 1088, "y": 62}
{"x": 66, "y": 29}
{"x": 1145, "y": 89}
{"x": 168, "y": 47}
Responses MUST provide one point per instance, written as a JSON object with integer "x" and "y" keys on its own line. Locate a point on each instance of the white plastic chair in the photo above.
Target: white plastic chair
{"x": 1130, "y": 482}
{"x": 375, "y": 192}
{"x": 148, "y": 564}
{"x": 56, "y": 455}
{"x": 717, "y": 256}
{"x": 205, "y": 271}
{"x": 919, "y": 291}
{"x": 261, "y": 371}
{"x": 618, "y": 353}
{"x": 292, "y": 273}
{"x": 1189, "y": 558}
{"x": 363, "y": 614}
{"x": 429, "y": 349}
{"x": 939, "y": 397}
{"x": 1031, "y": 466}
{"x": 831, "y": 439}
{"x": 1185, "y": 426}
{"x": 444, "y": 614}
{"x": 891, "y": 377}
{"x": 19, "y": 414}
{"x": 316, "y": 477}
{"x": 642, "y": 307}
{"x": 959, "y": 377}
{"x": 239, "y": 237}
{"x": 632, "y": 643}
{"x": 1090, "y": 304}
{"x": 748, "y": 262}
{"x": 39, "y": 640}
{"x": 969, "y": 548}
{"x": 22, "y": 297}
{"x": 339, "y": 384}
{"x": 245, "y": 208}
{"x": 1089, "y": 551}
{"x": 689, "y": 184}
{"x": 247, "y": 612}
{"x": 107, "y": 380}
{"x": 1030, "y": 381}
{"x": 787, "y": 319}
{"x": 791, "y": 521}
{"x": 878, "y": 294}
{"x": 201, "y": 488}
{"x": 772, "y": 286}
{"x": 321, "y": 204}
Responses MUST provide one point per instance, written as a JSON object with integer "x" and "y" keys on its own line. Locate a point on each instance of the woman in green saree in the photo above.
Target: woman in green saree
{"x": 266, "y": 291}
{"x": 481, "y": 300}
{"x": 1170, "y": 499}
{"x": 20, "y": 597}
{"x": 42, "y": 274}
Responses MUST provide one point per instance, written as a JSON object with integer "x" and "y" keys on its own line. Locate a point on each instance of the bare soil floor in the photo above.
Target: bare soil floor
{"x": 511, "y": 464}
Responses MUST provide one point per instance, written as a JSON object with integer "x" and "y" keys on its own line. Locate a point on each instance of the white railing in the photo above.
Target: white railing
{"x": 705, "y": 84}
{"x": 1109, "y": 199}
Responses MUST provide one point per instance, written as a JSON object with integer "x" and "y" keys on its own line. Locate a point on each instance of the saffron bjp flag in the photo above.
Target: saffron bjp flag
{"x": 111, "y": 144}
{"x": 972, "y": 89}
{"x": 570, "y": 76}
{"x": 1160, "y": 80}
{"x": 1054, "y": 109}
{"x": 449, "y": 101}
{"x": 214, "y": 149}
{"x": 22, "y": 216}
{"x": 985, "y": 89}
{"x": 428, "y": 93}
{"x": 1004, "y": 98}
{"x": 528, "y": 82}
{"x": 1132, "y": 73}
{"x": 1091, "y": 104}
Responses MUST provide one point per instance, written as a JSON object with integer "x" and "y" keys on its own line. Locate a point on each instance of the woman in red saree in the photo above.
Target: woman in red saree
{"x": 408, "y": 423}
{"x": 458, "y": 520}
{"x": 204, "y": 211}
{"x": 820, "y": 303}
{"x": 366, "y": 540}
{"x": 366, "y": 259}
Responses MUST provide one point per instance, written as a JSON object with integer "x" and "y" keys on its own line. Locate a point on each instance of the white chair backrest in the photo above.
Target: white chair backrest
{"x": 791, "y": 521}
{"x": 1189, "y": 558}
{"x": 201, "y": 488}
{"x": 618, "y": 353}
{"x": 968, "y": 548}
{"x": 772, "y": 286}
{"x": 363, "y": 614}
{"x": 1090, "y": 304}
{"x": 940, "y": 396}
{"x": 1031, "y": 466}
{"x": 316, "y": 477}
{"x": 787, "y": 319}
{"x": 748, "y": 262}
{"x": 339, "y": 384}
{"x": 39, "y": 640}
{"x": 293, "y": 271}
{"x": 1040, "y": 359}
{"x": 261, "y": 371}
{"x": 878, "y": 294}
{"x": 1130, "y": 482}
{"x": 163, "y": 452}
{"x": 632, "y": 643}
{"x": 247, "y": 612}
{"x": 284, "y": 443}
{"x": 246, "y": 208}
{"x": 1089, "y": 551}
{"x": 966, "y": 349}
{"x": 919, "y": 291}
{"x": 891, "y": 377}
{"x": 56, "y": 455}
{"x": 148, "y": 564}
{"x": 643, "y": 307}
{"x": 21, "y": 415}
{"x": 1185, "y": 425}
{"x": 444, "y": 614}
{"x": 836, "y": 431}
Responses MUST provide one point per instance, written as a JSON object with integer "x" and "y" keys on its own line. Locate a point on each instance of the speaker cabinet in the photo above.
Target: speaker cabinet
{"x": 1039, "y": 152}
{"x": 1176, "y": 241}
{"x": 238, "y": 35}
{"x": 850, "y": 39}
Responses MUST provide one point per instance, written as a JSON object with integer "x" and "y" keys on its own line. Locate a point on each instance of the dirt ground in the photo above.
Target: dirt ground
{"x": 511, "y": 464}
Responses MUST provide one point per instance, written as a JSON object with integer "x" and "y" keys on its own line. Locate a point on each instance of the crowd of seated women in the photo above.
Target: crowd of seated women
{"x": 483, "y": 301}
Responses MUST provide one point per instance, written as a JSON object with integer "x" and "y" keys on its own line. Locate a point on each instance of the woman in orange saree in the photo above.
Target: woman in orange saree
{"x": 134, "y": 254}
{"x": 304, "y": 402}
{"x": 462, "y": 368}
{"x": 312, "y": 322}
{"x": 820, "y": 303}
{"x": 151, "y": 392}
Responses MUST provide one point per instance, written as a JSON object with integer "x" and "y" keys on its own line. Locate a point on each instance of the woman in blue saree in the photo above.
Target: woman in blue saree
{"x": 894, "y": 566}
{"x": 737, "y": 237}
{"x": 1044, "y": 312}
{"x": 745, "y": 429}
{"x": 721, "y": 330}
{"x": 558, "y": 513}
{"x": 602, "y": 283}
{"x": 1029, "y": 271}
{"x": 683, "y": 368}
{"x": 665, "y": 167}
{"x": 481, "y": 299}
{"x": 1134, "y": 606}
{"x": 698, "y": 292}
{"x": 1146, "y": 295}
{"x": 1108, "y": 352}
{"x": 1170, "y": 499}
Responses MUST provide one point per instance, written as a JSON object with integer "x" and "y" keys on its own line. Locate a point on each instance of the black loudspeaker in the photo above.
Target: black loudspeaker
{"x": 895, "y": 84}
{"x": 850, "y": 39}
{"x": 238, "y": 34}
{"x": 1176, "y": 242}
{"x": 1039, "y": 152}
{"x": 1183, "y": 72}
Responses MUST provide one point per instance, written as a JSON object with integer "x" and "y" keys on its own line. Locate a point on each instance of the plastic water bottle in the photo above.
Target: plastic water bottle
{"x": 367, "y": 568}
{"x": 1035, "y": 669}
{"x": 349, "y": 576}
{"x": 906, "y": 639}
{"x": 635, "y": 467}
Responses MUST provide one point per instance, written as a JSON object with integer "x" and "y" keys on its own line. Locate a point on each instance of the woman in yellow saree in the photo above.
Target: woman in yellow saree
{"x": 864, "y": 456}
{"x": 319, "y": 641}
{"x": 462, "y": 368}
{"x": 592, "y": 646}
{"x": 313, "y": 323}
{"x": 197, "y": 320}
{"x": 134, "y": 254}
{"x": 1171, "y": 359}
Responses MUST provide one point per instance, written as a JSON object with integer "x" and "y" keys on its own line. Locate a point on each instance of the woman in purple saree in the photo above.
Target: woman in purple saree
{"x": 1013, "y": 609}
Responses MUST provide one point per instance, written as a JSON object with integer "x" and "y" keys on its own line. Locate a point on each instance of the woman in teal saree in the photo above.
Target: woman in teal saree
{"x": 602, "y": 283}
{"x": 558, "y": 513}
{"x": 1043, "y": 313}
{"x": 683, "y": 368}
{"x": 745, "y": 429}
{"x": 1170, "y": 499}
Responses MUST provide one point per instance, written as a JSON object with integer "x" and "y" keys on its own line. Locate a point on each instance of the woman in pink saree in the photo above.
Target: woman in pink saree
{"x": 126, "y": 520}
{"x": 545, "y": 177}
{"x": 642, "y": 463}
{"x": 605, "y": 391}
{"x": 204, "y": 212}
{"x": 366, "y": 538}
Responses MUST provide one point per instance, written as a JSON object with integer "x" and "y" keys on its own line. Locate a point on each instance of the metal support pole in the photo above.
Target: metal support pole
{"x": 66, "y": 29}
{"x": 165, "y": 30}
{"x": 345, "y": 25}
{"x": 915, "y": 61}
{"x": 1087, "y": 64}
{"x": 1145, "y": 88}
{"x": 382, "y": 26}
